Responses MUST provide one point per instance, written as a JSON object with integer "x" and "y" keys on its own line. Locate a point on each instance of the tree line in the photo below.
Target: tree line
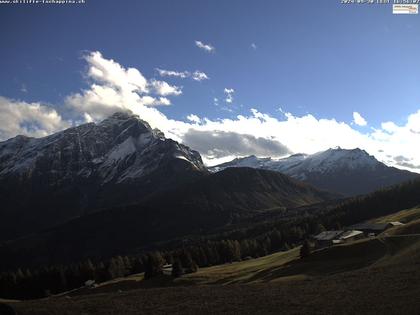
{"x": 242, "y": 242}
{"x": 42, "y": 282}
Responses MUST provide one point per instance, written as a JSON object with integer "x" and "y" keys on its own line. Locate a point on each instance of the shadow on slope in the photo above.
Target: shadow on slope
{"x": 210, "y": 203}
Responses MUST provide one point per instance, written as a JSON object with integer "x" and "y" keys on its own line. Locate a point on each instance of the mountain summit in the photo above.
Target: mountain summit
{"x": 348, "y": 172}
{"x": 121, "y": 160}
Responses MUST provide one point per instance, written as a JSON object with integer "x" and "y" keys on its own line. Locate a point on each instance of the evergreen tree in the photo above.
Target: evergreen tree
{"x": 305, "y": 250}
{"x": 153, "y": 266}
{"x": 87, "y": 270}
{"x": 100, "y": 272}
{"x": 275, "y": 240}
{"x": 113, "y": 270}
{"x": 320, "y": 228}
{"x": 138, "y": 265}
{"x": 236, "y": 250}
{"x": 122, "y": 269}
{"x": 177, "y": 269}
{"x": 128, "y": 265}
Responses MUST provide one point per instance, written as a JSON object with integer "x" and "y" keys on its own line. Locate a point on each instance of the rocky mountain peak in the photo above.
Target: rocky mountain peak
{"x": 119, "y": 160}
{"x": 345, "y": 171}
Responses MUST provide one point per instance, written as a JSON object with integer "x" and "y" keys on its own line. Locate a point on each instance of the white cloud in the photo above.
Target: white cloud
{"x": 206, "y": 47}
{"x": 194, "y": 118}
{"x": 196, "y": 75}
{"x": 171, "y": 73}
{"x": 358, "y": 119}
{"x": 402, "y": 140}
{"x": 23, "y": 88}
{"x": 229, "y": 95}
{"x": 100, "y": 101}
{"x": 199, "y": 76}
{"x": 389, "y": 126}
{"x": 253, "y": 46}
{"x": 152, "y": 101}
{"x": 111, "y": 73}
{"x": 164, "y": 89}
{"x": 87, "y": 118}
{"x": 116, "y": 88}
{"x": 30, "y": 119}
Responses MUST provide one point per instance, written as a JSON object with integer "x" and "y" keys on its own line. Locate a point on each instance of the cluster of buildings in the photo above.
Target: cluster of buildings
{"x": 352, "y": 233}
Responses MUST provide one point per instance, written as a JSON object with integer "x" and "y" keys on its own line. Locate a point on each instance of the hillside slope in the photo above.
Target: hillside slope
{"x": 207, "y": 204}
{"x": 244, "y": 189}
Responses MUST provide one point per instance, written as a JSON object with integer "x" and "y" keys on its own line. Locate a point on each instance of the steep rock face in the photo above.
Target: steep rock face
{"x": 348, "y": 172}
{"x": 121, "y": 160}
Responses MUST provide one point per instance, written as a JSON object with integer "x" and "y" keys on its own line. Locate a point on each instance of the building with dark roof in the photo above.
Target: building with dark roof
{"x": 351, "y": 235}
{"x": 326, "y": 238}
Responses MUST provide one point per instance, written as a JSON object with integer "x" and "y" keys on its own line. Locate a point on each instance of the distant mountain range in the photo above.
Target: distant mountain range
{"x": 348, "y": 172}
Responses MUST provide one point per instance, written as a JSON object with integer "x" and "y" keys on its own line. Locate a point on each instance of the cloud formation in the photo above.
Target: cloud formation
{"x": 229, "y": 95}
{"x": 194, "y": 118}
{"x": 196, "y": 75}
{"x": 359, "y": 120}
{"x": 115, "y": 88}
{"x": 172, "y": 73}
{"x": 199, "y": 76}
{"x": 30, "y": 119}
{"x": 219, "y": 144}
{"x": 206, "y": 47}
{"x": 405, "y": 162}
{"x": 111, "y": 73}
{"x": 23, "y": 88}
{"x": 164, "y": 89}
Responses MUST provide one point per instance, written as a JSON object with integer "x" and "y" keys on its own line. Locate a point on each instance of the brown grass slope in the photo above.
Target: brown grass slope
{"x": 404, "y": 216}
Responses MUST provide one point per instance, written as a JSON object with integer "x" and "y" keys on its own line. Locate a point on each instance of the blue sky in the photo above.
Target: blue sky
{"x": 309, "y": 57}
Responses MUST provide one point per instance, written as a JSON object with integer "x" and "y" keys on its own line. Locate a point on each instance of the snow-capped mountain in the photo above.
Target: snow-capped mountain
{"x": 118, "y": 149}
{"x": 349, "y": 172}
{"x": 118, "y": 161}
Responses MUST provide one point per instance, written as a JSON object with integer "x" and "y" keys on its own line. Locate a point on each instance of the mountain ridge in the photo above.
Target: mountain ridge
{"x": 121, "y": 160}
{"x": 348, "y": 172}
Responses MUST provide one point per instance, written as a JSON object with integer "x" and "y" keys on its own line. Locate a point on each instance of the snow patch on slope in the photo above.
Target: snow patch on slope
{"x": 123, "y": 150}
